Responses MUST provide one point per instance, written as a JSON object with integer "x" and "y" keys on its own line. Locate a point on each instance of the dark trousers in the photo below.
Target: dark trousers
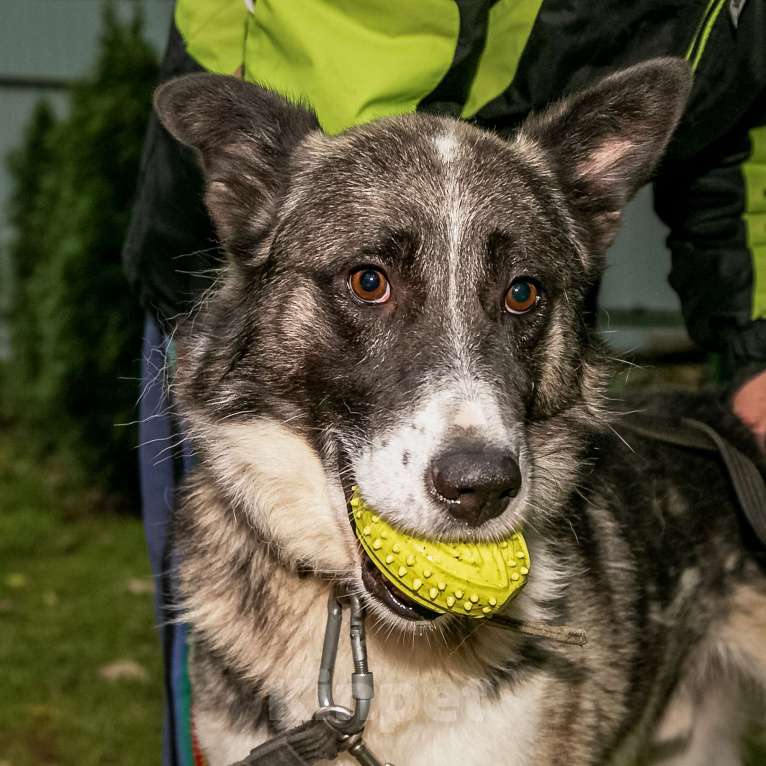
{"x": 164, "y": 458}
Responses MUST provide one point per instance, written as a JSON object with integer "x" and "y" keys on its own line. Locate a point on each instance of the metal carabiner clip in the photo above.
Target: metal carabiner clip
{"x": 340, "y": 718}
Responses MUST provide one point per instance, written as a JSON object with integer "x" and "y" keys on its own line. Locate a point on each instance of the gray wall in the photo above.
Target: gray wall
{"x": 44, "y": 44}
{"x": 56, "y": 38}
{"x": 640, "y": 311}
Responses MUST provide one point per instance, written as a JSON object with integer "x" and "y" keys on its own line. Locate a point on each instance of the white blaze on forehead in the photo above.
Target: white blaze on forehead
{"x": 446, "y": 145}
{"x": 453, "y": 210}
{"x": 448, "y": 149}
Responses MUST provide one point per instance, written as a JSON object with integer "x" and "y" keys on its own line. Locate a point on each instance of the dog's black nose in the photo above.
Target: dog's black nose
{"x": 475, "y": 484}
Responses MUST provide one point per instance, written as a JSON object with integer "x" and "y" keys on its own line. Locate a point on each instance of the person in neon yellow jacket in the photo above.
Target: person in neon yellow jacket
{"x": 493, "y": 61}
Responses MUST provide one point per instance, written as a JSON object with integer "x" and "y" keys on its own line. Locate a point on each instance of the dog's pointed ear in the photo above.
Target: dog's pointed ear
{"x": 244, "y": 135}
{"x": 606, "y": 141}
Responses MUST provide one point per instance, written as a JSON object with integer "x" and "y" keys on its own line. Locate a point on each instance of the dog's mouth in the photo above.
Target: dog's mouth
{"x": 377, "y": 586}
{"x": 389, "y": 595}
{"x": 418, "y": 579}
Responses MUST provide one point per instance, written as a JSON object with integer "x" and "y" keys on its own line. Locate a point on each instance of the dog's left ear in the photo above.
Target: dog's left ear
{"x": 606, "y": 141}
{"x": 244, "y": 135}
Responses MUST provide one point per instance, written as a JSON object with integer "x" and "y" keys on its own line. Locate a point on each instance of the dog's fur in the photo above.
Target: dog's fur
{"x": 291, "y": 390}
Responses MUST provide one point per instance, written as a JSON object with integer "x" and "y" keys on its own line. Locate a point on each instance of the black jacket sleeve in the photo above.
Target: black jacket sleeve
{"x": 171, "y": 246}
{"x": 703, "y": 200}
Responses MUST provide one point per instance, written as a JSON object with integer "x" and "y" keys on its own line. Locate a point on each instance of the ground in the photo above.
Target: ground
{"x": 80, "y": 679}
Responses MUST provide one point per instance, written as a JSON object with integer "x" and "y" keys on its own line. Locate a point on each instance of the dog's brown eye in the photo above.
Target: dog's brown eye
{"x": 370, "y": 285}
{"x": 522, "y": 296}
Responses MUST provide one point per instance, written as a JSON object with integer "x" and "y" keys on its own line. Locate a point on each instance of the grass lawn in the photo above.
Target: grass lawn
{"x": 80, "y": 679}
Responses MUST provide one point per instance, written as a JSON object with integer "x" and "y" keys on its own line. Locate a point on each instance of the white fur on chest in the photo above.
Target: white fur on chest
{"x": 425, "y": 711}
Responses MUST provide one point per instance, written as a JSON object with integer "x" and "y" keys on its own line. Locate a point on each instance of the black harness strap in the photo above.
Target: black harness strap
{"x": 308, "y": 743}
{"x": 747, "y": 480}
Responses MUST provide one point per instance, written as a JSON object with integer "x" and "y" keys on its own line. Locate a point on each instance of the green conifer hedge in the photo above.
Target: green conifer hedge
{"x": 74, "y": 325}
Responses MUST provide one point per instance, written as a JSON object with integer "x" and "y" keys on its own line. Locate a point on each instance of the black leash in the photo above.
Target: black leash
{"x": 308, "y": 743}
{"x": 746, "y": 478}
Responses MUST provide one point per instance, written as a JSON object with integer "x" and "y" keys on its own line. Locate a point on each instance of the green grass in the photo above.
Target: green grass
{"x": 74, "y": 599}
{"x": 755, "y": 748}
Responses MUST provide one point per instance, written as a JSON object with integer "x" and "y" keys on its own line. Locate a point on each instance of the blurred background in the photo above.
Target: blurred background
{"x": 80, "y": 675}
{"x": 80, "y": 678}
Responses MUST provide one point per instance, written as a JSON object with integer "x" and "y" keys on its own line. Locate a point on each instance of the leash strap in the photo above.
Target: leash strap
{"x": 746, "y": 478}
{"x": 308, "y": 743}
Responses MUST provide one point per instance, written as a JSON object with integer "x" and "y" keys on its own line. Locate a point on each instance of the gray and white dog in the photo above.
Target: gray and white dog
{"x": 403, "y": 309}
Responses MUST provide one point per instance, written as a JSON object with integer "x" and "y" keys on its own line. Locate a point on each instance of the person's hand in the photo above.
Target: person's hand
{"x": 749, "y": 403}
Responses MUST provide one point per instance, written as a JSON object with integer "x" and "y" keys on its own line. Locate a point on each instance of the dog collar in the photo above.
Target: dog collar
{"x": 469, "y": 579}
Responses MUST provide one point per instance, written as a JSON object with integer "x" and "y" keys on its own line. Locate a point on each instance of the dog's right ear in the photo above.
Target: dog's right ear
{"x": 244, "y": 135}
{"x": 606, "y": 141}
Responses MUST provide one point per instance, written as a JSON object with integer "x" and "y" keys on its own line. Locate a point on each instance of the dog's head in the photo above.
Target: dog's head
{"x": 403, "y": 306}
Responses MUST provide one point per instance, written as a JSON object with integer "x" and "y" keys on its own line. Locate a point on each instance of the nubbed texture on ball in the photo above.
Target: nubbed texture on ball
{"x": 469, "y": 579}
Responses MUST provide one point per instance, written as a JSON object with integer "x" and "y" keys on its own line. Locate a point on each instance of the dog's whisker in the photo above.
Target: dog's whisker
{"x": 620, "y": 437}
